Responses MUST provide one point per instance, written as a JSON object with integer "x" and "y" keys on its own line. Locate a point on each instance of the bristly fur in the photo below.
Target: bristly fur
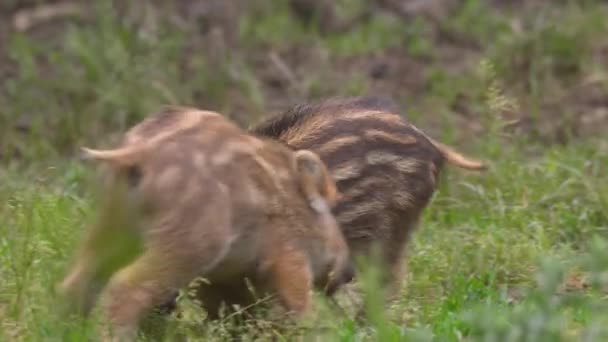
{"x": 211, "y": 201}
{"x": 385, "y": 168}
{"x": 275, "y": 125}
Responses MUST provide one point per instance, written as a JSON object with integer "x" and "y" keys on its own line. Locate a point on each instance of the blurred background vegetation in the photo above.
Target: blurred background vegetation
{"x": 516, "y": 254}
{"x": 76, "y": 70}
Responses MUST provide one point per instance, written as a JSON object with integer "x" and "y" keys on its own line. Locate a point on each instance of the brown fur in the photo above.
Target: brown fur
{"x": 385, "y": 168}
{"x": 209, "y": 200}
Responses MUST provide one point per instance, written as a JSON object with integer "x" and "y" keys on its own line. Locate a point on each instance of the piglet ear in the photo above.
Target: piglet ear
{"x": 314, "y": 178}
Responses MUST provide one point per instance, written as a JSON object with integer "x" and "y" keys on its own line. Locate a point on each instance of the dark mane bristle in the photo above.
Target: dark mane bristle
{"x": 275, "y": 125}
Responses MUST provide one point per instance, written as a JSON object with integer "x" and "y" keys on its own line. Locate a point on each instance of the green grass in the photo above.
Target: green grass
{"x": 519, "y": 253}
{"x": 483, "y": 240}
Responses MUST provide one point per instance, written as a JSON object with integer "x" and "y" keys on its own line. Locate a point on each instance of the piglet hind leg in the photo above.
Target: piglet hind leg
{"x": 109, "y": 243}
{"x": 92, "y": 268}
{"x": 149, "y": 281}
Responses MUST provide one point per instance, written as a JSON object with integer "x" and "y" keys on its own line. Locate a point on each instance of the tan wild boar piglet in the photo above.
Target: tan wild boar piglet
{"x": 205, "y": 198}
{"x": 385, "y": 168}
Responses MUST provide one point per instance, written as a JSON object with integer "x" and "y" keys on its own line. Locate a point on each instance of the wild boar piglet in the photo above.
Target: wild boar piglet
{"x": 206, "y": 199}
{"x": 385, "y": 168}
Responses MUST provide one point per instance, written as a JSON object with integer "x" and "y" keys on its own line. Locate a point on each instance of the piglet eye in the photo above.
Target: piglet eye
{"x": 133, "y": 176}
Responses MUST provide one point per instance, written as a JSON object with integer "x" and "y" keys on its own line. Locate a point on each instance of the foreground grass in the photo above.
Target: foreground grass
{"x": 510, "y": 255}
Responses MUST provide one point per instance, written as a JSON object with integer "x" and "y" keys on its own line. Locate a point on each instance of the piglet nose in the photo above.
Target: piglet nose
{"x": 349, "y": 273}
{"x": 346, "y": 275}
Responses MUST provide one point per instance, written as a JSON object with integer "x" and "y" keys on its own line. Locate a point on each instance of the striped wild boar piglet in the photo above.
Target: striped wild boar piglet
{"x": 385, "y": 168}
{"x": 205, "y": 199}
